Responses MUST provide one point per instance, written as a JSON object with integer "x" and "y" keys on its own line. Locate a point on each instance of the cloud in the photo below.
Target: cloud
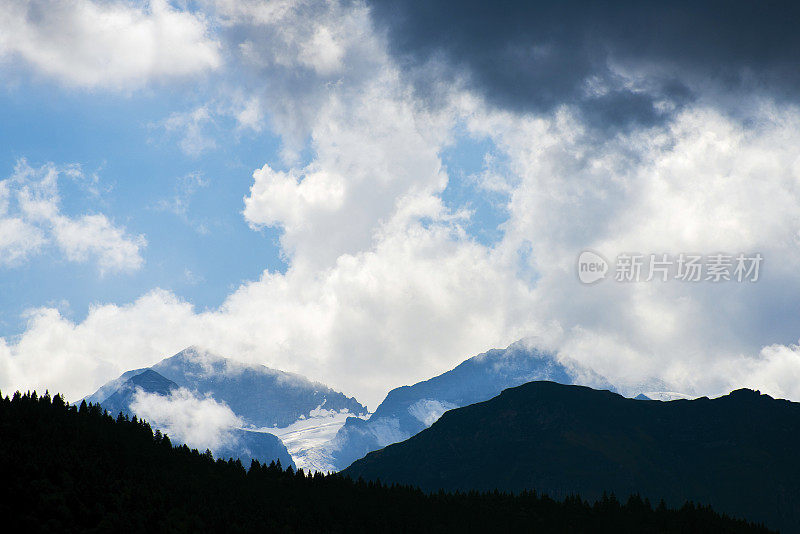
{"x": 707, "y": 181}
{"x": 190, "y": 126}
{"x": 374, "y": 152}
{"x": 18, "y": 240}
{"x": 35, "y": 220}
{"x": 94, "y": 236}
{"x": 114, "y": 45}
{"x": 621, "y": 64}
{"x": 385, "y": 286}
{"x": 250, "y": 115}
{"x": 192, "y": 278}
{"x": 185, "y": 188}
{"x": 377, "y": 318}
{"x": 420, "y": 295}
{"x": 58, "y": 354}
{"x": 201, "y": 423}
{"x": 292, "y": 58}
{"x": 286, "y": 199}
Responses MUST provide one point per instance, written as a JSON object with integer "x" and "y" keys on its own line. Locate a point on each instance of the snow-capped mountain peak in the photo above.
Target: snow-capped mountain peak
{"x": 250, "y": 398}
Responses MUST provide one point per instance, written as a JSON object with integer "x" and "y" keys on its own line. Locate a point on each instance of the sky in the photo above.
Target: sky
{"x": 368, "y": 193}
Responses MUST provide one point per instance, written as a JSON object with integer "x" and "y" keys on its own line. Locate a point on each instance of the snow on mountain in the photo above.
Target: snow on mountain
{"x": 663, "y": 396}
{"x": 307, "y": 437}
{"x": 321, "y": 428}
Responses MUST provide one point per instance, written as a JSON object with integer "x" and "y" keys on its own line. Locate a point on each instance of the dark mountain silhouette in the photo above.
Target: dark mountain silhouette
{"x": 409, "y": 409}
{"x": 737, "y": 453}
{"x": 76, "y": 469}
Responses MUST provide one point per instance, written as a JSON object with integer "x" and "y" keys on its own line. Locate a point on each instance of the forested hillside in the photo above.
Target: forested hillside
{"x": 77, "y": 469}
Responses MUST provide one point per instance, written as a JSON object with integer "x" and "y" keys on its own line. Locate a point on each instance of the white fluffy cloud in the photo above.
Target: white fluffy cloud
{"x": 375, "y": 151}
{"x": 94, "y": 236}
{"x": 201, "y": 423}
{"x": 18, "y": 239}
{"x": 376, "y": 319}
{"x": 35, "y": 219}
{"x": 707, "y": 182}
{"x": 113, "y": 44}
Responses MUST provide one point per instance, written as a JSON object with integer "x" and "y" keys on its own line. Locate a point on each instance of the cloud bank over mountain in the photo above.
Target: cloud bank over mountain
{"x": 201, "y": 423}
{"x": 626, "y": 134}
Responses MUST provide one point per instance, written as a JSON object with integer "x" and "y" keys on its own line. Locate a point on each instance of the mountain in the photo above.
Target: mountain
{"x": 409, "y": 409}
{"x": 303, "y": 413}
{"x": 736, "y": 452}
{"x": 73, "y": 469}
{"x": 147, "y": 380}
{"x": 248, "y": 445}
{"x": 263, "y": 397}
{"x": 240, "y": 443}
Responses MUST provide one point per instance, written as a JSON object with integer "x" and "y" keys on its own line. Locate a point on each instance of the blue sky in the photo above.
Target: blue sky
{"x": 201, "y": 255}
{"x": 325, "y": 188}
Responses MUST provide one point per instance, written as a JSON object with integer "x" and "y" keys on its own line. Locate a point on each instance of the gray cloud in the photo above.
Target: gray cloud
{"x": 630, "y": 63}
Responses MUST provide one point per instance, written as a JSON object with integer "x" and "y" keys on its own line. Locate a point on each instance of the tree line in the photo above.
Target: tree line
{"x": 69, "y": 468}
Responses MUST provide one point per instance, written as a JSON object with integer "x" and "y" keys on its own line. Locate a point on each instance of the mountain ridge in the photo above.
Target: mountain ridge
{"x": 734, "y": 452}
{"x": 224, "y": 378}
{"x": 407, "y": 410}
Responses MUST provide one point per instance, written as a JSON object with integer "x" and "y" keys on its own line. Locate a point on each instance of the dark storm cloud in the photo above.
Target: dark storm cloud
{"x": 537, "y": 55}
